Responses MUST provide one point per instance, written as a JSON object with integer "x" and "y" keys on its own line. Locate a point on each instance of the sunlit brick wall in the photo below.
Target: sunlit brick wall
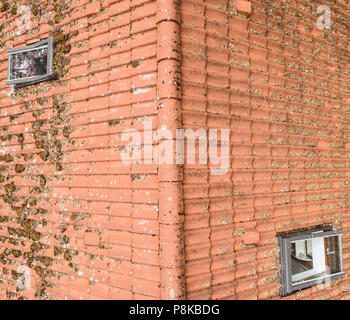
{"x": 79, "y": 222}
{"x": 281, "y": 84}
{"x": 82, "y": 223}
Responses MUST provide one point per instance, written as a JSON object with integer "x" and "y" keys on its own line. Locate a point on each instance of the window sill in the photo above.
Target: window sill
{"x": 309, "y": 283}
{"x": 19, "y": 84}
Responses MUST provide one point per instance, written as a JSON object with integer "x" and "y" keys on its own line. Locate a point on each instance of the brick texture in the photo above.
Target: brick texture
{"x": 282, "y": 87}
{"x": 87, "y": 225}
{"x": 84, "y": 222}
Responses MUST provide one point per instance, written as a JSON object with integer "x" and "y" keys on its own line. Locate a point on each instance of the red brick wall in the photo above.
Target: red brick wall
{"x": 282, "y": 87}
{"x": 84, "y": 222}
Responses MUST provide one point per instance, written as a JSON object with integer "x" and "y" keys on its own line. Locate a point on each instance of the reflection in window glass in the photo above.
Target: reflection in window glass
{"x": 310, "y": 257}
{"x": 314, "y": 258}
{"x": 332, "y": 256}
{"x": 28, "y": 63}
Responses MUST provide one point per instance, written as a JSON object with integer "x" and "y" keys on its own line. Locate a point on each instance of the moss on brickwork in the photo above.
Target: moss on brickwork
{"x": 49, "y": 134}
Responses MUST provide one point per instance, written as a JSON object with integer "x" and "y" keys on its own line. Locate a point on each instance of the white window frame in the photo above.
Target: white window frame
{"x": 291, "y": 283}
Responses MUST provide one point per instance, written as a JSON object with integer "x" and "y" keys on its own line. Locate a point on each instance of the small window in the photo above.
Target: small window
{"x": 309, "y": 258}
{"x": 30, "y": 64}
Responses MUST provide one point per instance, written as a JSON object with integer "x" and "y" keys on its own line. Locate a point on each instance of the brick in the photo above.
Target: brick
{"x": 250, "y": 237}
{"x": 93, "y": 8}
{"x": 91, "y": 239}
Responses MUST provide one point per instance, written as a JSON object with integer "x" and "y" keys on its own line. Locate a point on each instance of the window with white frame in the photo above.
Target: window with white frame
{"x": 310, "y": 257}
{"x": 30, "y": 64}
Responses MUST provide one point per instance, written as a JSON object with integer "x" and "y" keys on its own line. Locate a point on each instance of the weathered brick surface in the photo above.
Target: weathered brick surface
{"x": 84, "y": 222}
{"x": 90, "y": 226}
{"x": 282, "y": 87}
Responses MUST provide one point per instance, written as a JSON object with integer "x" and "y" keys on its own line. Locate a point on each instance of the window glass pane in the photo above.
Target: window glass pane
{"x": 28, "y": 64}
{"x": 314, "y": 258}
{"x": 301, "y": 257}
